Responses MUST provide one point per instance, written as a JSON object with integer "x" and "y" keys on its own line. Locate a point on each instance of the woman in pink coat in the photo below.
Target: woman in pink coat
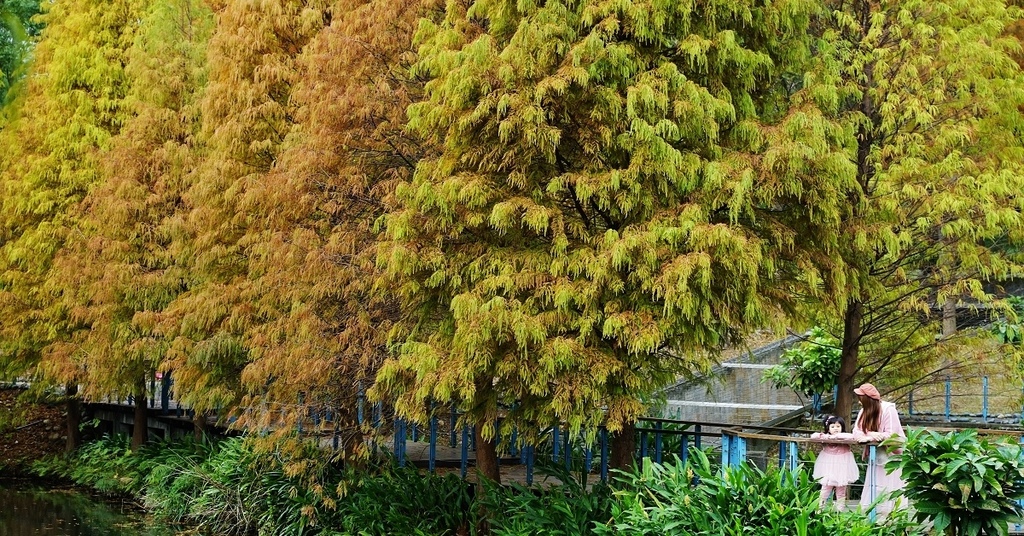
{"x": 878, "y": 421}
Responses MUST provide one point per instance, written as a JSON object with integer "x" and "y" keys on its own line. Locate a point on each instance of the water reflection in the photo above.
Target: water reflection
{"x": 62, "y": 513}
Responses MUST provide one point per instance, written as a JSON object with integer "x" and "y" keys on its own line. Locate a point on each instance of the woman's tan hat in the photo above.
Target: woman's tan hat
{"x": 869, "y": 391}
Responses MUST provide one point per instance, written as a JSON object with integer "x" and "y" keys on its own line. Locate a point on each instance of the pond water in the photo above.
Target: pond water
{"x": 27, "y": 511}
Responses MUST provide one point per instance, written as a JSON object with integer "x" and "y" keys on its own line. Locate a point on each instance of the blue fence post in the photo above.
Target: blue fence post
{"x": 815, "y": 404}
{"x": 432, "y": 452}
{"x": 696, "y": 437}
{"x": 604, "y": 453}
{"x": 984, "y": 399}
{"x": 870, "y": 479}
{"x": 465, "y": 451}
{"x": 794, "y": 457}
{"x": 643, "y": 444}
{"x": 739, "y": 451}
{"x": 726, "y": 449}
{"x": 684, "y": 448}
{"x": 949, "y": 404}
{"x": 452, "y": 421}
{"x": 165, "y": 394}
{"x": 783, "y": 451}
{"x": 556, "y": 443}
{"x": 657, "y": 442}
{"x": 400, "y": 441}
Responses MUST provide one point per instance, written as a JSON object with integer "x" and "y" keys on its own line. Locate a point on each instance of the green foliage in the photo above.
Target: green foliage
{"x": 569, "y": 509}
{"x": 1008, "y": 330}
{"x": 964, "y": 484}
{"x": 17, "y": 29}
{"x": 596, "y": 221}
{"x": 811, "y": 367}
{"x": 664, "y": 499}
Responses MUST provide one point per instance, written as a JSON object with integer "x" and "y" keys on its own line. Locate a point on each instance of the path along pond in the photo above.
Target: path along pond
{"x": 27, "y": 510}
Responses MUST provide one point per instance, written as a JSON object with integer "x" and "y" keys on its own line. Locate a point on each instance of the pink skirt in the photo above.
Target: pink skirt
{"x": 836, "y": 469}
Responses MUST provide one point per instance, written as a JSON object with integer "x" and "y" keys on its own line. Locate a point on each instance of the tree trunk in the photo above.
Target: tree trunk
{"x": 73, "y": 406}
{"x": 486, "y": 457}
{"x": 948, "y": 318}
{"x": 140, "y": 430}
{"x": 623, "y": 448}
{"x": 199, "y": 426}
{"x": 849, "y": 359}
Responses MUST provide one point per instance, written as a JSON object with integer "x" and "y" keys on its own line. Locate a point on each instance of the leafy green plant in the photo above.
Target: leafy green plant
{"x": 810, "y": 368}
{"x": 1009, "y": 329}
{"x": 964, "y": 484}
{"x": 566, "y": 509}
{"x": 696, "y": 498}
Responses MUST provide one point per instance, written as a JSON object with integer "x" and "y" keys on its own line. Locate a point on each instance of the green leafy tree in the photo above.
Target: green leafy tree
{"x": 17, "y": 30}
{"x": 607, "y": 210}
{"x": 961, "y": 483}
{"x": 809, "y": 368}
{"x": 926, "y": 99}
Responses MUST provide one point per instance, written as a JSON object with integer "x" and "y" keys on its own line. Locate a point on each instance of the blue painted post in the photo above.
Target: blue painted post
{"x": 869, "y": 479}
{"x": 415, "y": 432}
{"x": 604, "y": 454}
{"x": 726, "y": 449}
{"x": 165, "y": 394}
{"x": 984, "y": 399}
{"x": 432, "y": 453}
{"x": 643, "y": 444}
{"x": 783, "y": 450}
{"x": 657, "y": 442}
{"x": 588, "y": 459}
{"x": 556, "y": 444}
{"x": 739, "y": 453}
{"x": 835, "y": 393}
{"x": 465, "y": 450}
{"x": 949, "y": 390}
{"x": 696, "y": 437}
{"x": 684, "y": 448}
{"x": 451, "y": 428}
{"x": 400, "y": 441}
{"x": 794, "y": 458}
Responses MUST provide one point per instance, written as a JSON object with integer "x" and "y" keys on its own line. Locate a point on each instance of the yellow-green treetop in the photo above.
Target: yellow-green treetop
{"x": 118, "y": 271}
{"x": 602, "y": 216}
{"x": 927, "y": 98}
{"x": 74, "y": 104}
{"x": 247, "y": 114}
{"x": 324, "y": 326}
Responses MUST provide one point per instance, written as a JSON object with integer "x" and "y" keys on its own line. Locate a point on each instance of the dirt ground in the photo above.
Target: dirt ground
{"x": 28, "y": 431}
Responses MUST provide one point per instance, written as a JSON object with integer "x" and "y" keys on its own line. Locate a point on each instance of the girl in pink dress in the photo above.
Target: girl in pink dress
{"x": 835, "y": 468}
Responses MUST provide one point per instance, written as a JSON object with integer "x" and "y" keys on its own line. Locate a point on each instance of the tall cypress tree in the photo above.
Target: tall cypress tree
{"x": 74, "y": 104}
{"x": 928, "y": 99}
{"x": 608, "y": 209}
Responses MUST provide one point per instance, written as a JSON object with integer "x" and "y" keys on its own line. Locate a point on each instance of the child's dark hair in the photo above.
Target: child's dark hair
{"x": 829, "y": 420}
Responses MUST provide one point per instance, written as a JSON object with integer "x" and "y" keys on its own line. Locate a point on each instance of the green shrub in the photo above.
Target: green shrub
{"x": 964, "y": 484}
{"x": 694, "y": 498}
{"x": 810, "y": 368}
{"x": 568, "y": 509}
